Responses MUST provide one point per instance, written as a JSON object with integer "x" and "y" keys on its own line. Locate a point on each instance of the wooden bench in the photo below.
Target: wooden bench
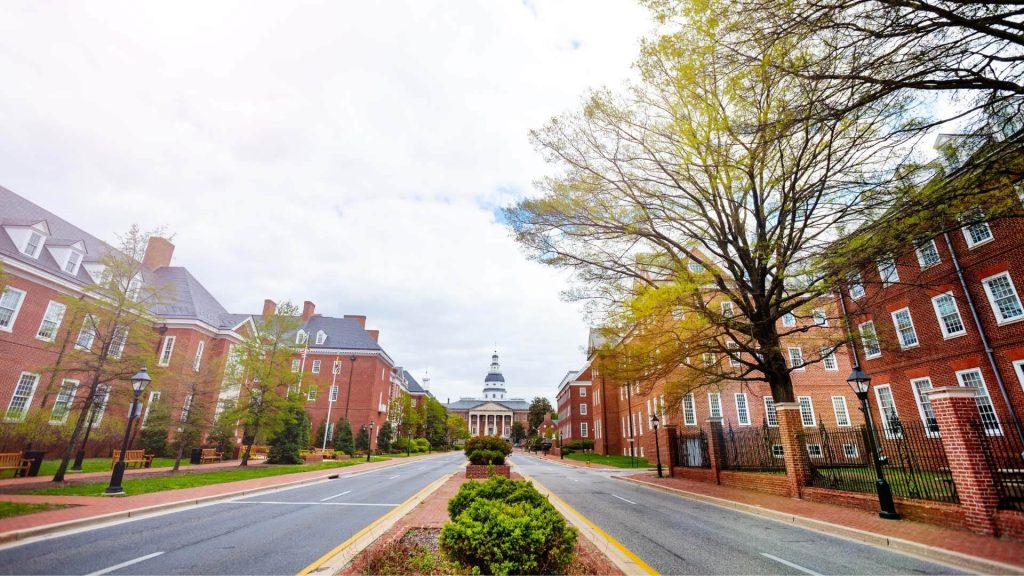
{"x": 259, "y": 451}
{"x": 136, "y": 458}
{"x": 14, "y": 461}
{"x": 328, "y": 453}
{"x": 209, "y": 455}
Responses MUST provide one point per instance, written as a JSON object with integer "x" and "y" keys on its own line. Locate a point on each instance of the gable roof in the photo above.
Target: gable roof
{"x": 342, "y": 333}
{"x": 411, "y": 384}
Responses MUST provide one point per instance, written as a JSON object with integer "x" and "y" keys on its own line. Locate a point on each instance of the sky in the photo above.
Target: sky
{"x": 353, "y": 154}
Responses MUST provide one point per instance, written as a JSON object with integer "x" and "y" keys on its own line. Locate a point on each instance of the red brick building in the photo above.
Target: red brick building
{"x": 575, "y": 407}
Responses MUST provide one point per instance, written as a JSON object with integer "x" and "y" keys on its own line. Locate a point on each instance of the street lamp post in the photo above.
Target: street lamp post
{"x": 657, "y": 446}
{"x": 861, "y": 382}
{"x": 139, "y": 383}
{"x": 369, "y": 443}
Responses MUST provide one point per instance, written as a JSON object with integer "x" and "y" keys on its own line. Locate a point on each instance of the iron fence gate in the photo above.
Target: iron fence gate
{"x": 757, "y": 449}
{"x": 1004, "y": 455}
{"x": 690, "y": 450}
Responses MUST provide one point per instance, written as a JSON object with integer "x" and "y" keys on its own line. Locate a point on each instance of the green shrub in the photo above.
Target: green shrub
{"x": 494, "y": 443}
{"x": 496, "y": 488}
{"x": 481, "y": 457}
{"x": 499, "y": 537}
{"x": 420, "y": 445}
{"x": 579, "y": 445}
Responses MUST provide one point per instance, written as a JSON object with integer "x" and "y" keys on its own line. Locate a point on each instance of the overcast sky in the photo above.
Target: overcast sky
{"x": 353, "y": 154}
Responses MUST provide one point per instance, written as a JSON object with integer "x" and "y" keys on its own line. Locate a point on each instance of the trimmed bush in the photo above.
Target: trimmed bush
{"x": 420, "y": 445}
{"x": 481, "y": 457}
{"x": 579, "y": 445}
{"x": 494, "y": 443}
{"x": 507, "y": 527}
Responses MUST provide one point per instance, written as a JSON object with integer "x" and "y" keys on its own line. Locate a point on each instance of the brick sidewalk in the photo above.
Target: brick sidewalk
{"x": 949, "y": 539}
{"x": 98, "y": 508}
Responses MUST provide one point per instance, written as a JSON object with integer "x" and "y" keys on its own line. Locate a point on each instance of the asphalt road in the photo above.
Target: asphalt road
{"x": 676, "y": 535}
{"x": 278, "y": 532}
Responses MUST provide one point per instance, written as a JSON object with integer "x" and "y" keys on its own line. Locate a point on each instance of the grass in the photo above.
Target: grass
{"x": 929, "y": 485}
{"x": 8, "y": 509}
{"x": 49, "y": 467}
{"x": 616, "y": 460}
{"x": 194, "y": 478}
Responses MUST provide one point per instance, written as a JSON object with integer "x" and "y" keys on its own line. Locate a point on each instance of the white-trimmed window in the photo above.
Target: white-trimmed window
{"x": 583, "y": 409}
{"x": 33, "y": 245}
{"x": 828, "y": 359}
{"x": 166, "y": 350}
{"x": 820, "y": 318}
{"x": 99, "y": 404}
{"x": 24, "y": 390}
{"x": 924, "y": 405}
{"x": 856, "y": 287}
{"x": 694, "y": 267}
{"x": 153, "y": 397}
{"x": 904, "y": 328}
{"x": 118, "y": 342}
{"x": 689, "y": 410}
{"x": 814, "y": 451}
{"x": 583, "y": 430}
{"x": 708, "y": 358}
{"x": 186, "y": 409}
{"x": 734, "y": 355}
{"x": 796, "y": 358}
{"x": 296, "y": 365}
{"x": 198, "y": 360}
{"x": 62, "y": 404}
{"x": 727, "y": 309}
{"x": 927, "y": 254}
{"x": 10, "y": 304}
{"x": 948, "y": 314}
{"x": 742, "y": 410}
{"x": 321, "y": 337}
{"x": 788, "y": 320}
{"x": 869, "y": 339}
{"x": 887, "y": 271}
{"x": 771, "y": 416}
{"x": 806, "y": 411}
{"x": 972, "y": 378}
{"x": 678, "y": 313}
{"x": 778, "y": 451}
{"x": 87, "y": 335}
{"x": 301, "y": 337}
{"x": 887, "y": 409}
{"x": 51, "y": 321}
{"x": 334, "y": 394}
{"x": 979, "y": 233}
{"x": 714, "y": 404}
{"x": 316, "y": 366}
{"x": 134, "y": 288}
{"x": 1002, "y": 296}
{"x": 840, "y": 410}
{"x": 583, "y": 392}
{"x": 73, "y": 261}
{"x": 311, "y": 392}
{"x": 850, "y": 451}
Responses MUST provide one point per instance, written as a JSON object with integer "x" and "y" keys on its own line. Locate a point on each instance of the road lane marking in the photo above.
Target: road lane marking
{"x": 623, "y": 499}
{"x": 395, "y": 476}
{"x": 125, "y": 564}
{"x": 790, "y": 564}
{"x": 315, "y": 503}
{"x": 335, "y": 496}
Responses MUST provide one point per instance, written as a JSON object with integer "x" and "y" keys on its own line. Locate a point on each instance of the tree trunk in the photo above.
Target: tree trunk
{"x": 774, "y": 364}
{"x": 69, "y": 451}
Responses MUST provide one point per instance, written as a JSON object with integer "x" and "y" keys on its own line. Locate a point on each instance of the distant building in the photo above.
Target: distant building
{"x": 575, "y": 408}
{"x": 492, "y": 415}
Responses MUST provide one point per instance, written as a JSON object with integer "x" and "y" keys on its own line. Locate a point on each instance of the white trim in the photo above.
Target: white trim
{"x": 69, "y": 401}
{"x": 863, "y": 340}
{"x": 921, "y": 399}
{"x": 845, "y": 411}
{"x": 57, "y": 322}
{"x": 745, "y": 409}
{"x": 713, "y": 399}
{"x": 938, "y": 316}
{"x": 198, "y": 360}
{"x": 689, "y": 413}
{"x": 810, "y": 411}
{"x": 770, "y": 411}
{"x": 830, "y": 356}
{"x": 890, "y": 275}
{"x": 794, "y": 359}
{"x": 17, "y": 307}
{"x": 883, "y": 414}
{"x": 164, "y": 351}
{"x": 28, "y": 400}
{"x": 1000, "y": 320}
{"x": 1018, "y": 366}
{"x": 920, "y": 260}
{"x": 899, "y": 333}
{"x": 967, "y": 235}
{"x": 983, "y": 400}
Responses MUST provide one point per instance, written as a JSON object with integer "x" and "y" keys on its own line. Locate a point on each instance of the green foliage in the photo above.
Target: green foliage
{"x": 317, "y": 440}
{"x": 222, "y": 436}
{"x": 385, "y": 437}
{"x": 480, "y": 457}
{"x": 153, "y": 438}
{"x": 343, "y": 437}
{"x": 506, "y": 527}
{"x": 292, "y": 437}
{"x": 420, "y": 445}
{"x": 363, "y": 439}
{"x": 579, "y": 445}
{"x": 518, "y": 432}
{"x": 436, "y": 423}
{"x": 494, "y": 443}
{"x": 539, "y": 408}
{"x": 458, "y": 429}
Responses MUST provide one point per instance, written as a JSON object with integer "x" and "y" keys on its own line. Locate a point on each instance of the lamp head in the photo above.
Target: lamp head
{"x": 140, "y": 381}
{"x": 654, "y": 420}
{"x": 858, "y": 380}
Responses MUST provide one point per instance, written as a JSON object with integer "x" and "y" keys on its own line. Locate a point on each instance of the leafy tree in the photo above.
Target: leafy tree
{"x": 291, "y": 437}
{"x": 458, "y": 429}
{"x": 435, "y": 422}
{"x": 363, "y": 440}
{"x": 518, "y": 432}
{"x": 158, "y": 423}
{"x": 343, "y": 437}
{"x": 539, "y": 408}
{"x": 385, "y": 437}
{"x": 222, "y": 435}
{"x": 316, "y": 441}
{"x": 406, "y": 416}
{"x": 195, "y": 403}
{"x": 263, "y": 377}
{"x": 115, "y": 337}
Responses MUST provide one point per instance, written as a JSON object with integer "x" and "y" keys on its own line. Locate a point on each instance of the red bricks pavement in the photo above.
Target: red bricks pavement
{"x": 839, "y": 517}
{"x": 84, "y": 510}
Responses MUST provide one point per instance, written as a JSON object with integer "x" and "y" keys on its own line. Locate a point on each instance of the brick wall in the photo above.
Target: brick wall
{"x": 771, "y": 483}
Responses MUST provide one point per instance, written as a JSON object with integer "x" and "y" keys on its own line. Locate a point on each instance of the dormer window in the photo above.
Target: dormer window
{"x": 301, "y": 337}
{"x": 73, "y": 262}
{"x": 34, "y": 244}
{"x": 321, "y": 337}
{"x": 134, "y": 288}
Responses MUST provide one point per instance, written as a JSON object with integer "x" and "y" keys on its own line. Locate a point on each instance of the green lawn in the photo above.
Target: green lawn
{"x": 616, "y": 460}
{"x": 195, "y": 478}
{"x": 8, "y": 509}
{"x": 49, "y": 467}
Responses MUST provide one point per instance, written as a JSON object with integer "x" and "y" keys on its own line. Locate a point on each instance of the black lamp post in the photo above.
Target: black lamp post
{"x": 369, "y": 443}
{"x": 861, "y": 382}
{"x": 657, "y": 446}
{"x": 139, "y": 383}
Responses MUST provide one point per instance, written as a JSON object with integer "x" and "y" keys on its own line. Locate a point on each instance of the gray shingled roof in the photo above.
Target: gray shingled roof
{"x": 514, "y": 404}
{"x": 182, "y": 296}
{"x": 342, "y": 333}
{"x": 411, "y": 383}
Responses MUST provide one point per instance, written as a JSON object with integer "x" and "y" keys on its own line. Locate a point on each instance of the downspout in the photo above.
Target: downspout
{"x": 984, "y": 339}
{"x": 849, "y": 328}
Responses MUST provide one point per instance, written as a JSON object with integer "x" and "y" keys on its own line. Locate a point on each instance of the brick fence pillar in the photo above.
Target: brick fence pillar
{"x": 956, "y": 409}
{"x": 716, "y": 442}
{"x": 798, "y": 463}
{"x": 666, "y": 447}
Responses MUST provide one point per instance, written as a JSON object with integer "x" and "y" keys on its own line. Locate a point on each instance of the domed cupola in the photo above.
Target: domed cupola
{"x": 494, "y": 382}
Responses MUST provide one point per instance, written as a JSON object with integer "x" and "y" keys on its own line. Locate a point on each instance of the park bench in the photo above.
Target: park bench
{"x": 259, "y": 451}
{"x": 14, "y": 461}
{"x": 136, "y": 458}
{"x": 209, "y": 455}
{"x": 326, "y": 453}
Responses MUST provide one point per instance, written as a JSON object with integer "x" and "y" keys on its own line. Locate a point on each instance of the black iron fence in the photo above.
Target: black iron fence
{"x": 757, "y": 449}
{"x": 1004, "y": 455}
{"x": 690, "y": 450}
{"x": 915, "y": 464}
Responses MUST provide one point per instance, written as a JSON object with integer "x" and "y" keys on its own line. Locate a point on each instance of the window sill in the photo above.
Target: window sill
{"x": 866, "y": 357}
{"x": 982, "y": 243}
{"x": 954, "y": 336}
{"x": 911, "y": 347}
{"x": 1010, "y": 321}
{"x": 41, "y": 339}
{"x": 10, "y": 329}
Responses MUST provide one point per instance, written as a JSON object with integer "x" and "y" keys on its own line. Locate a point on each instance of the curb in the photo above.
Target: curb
{"x": 922, "y": 551}
{"x": 25, "y": 533}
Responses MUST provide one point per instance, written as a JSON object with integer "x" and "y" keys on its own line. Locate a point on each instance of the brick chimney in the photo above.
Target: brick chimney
{"x": 269, "y": 308}
{"x": 361, "y": 320}
{"x": 373, "y": 334}
{"x": 158, "y": 253}
{"x": 308, "y": 308}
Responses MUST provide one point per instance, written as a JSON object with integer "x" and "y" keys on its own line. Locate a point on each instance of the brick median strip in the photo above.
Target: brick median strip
{"x": 923, "y": 551}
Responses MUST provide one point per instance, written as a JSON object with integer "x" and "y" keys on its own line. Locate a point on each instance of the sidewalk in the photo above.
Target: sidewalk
{"x": 943, "y": 544}
{"x": 85, "y": 510}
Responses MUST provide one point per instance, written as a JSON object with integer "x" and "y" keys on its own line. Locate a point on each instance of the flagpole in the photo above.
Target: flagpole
{"x": 330, "y": 398}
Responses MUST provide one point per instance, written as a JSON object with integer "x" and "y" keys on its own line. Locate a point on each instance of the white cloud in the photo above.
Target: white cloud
{"x": 349, "y": 154}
